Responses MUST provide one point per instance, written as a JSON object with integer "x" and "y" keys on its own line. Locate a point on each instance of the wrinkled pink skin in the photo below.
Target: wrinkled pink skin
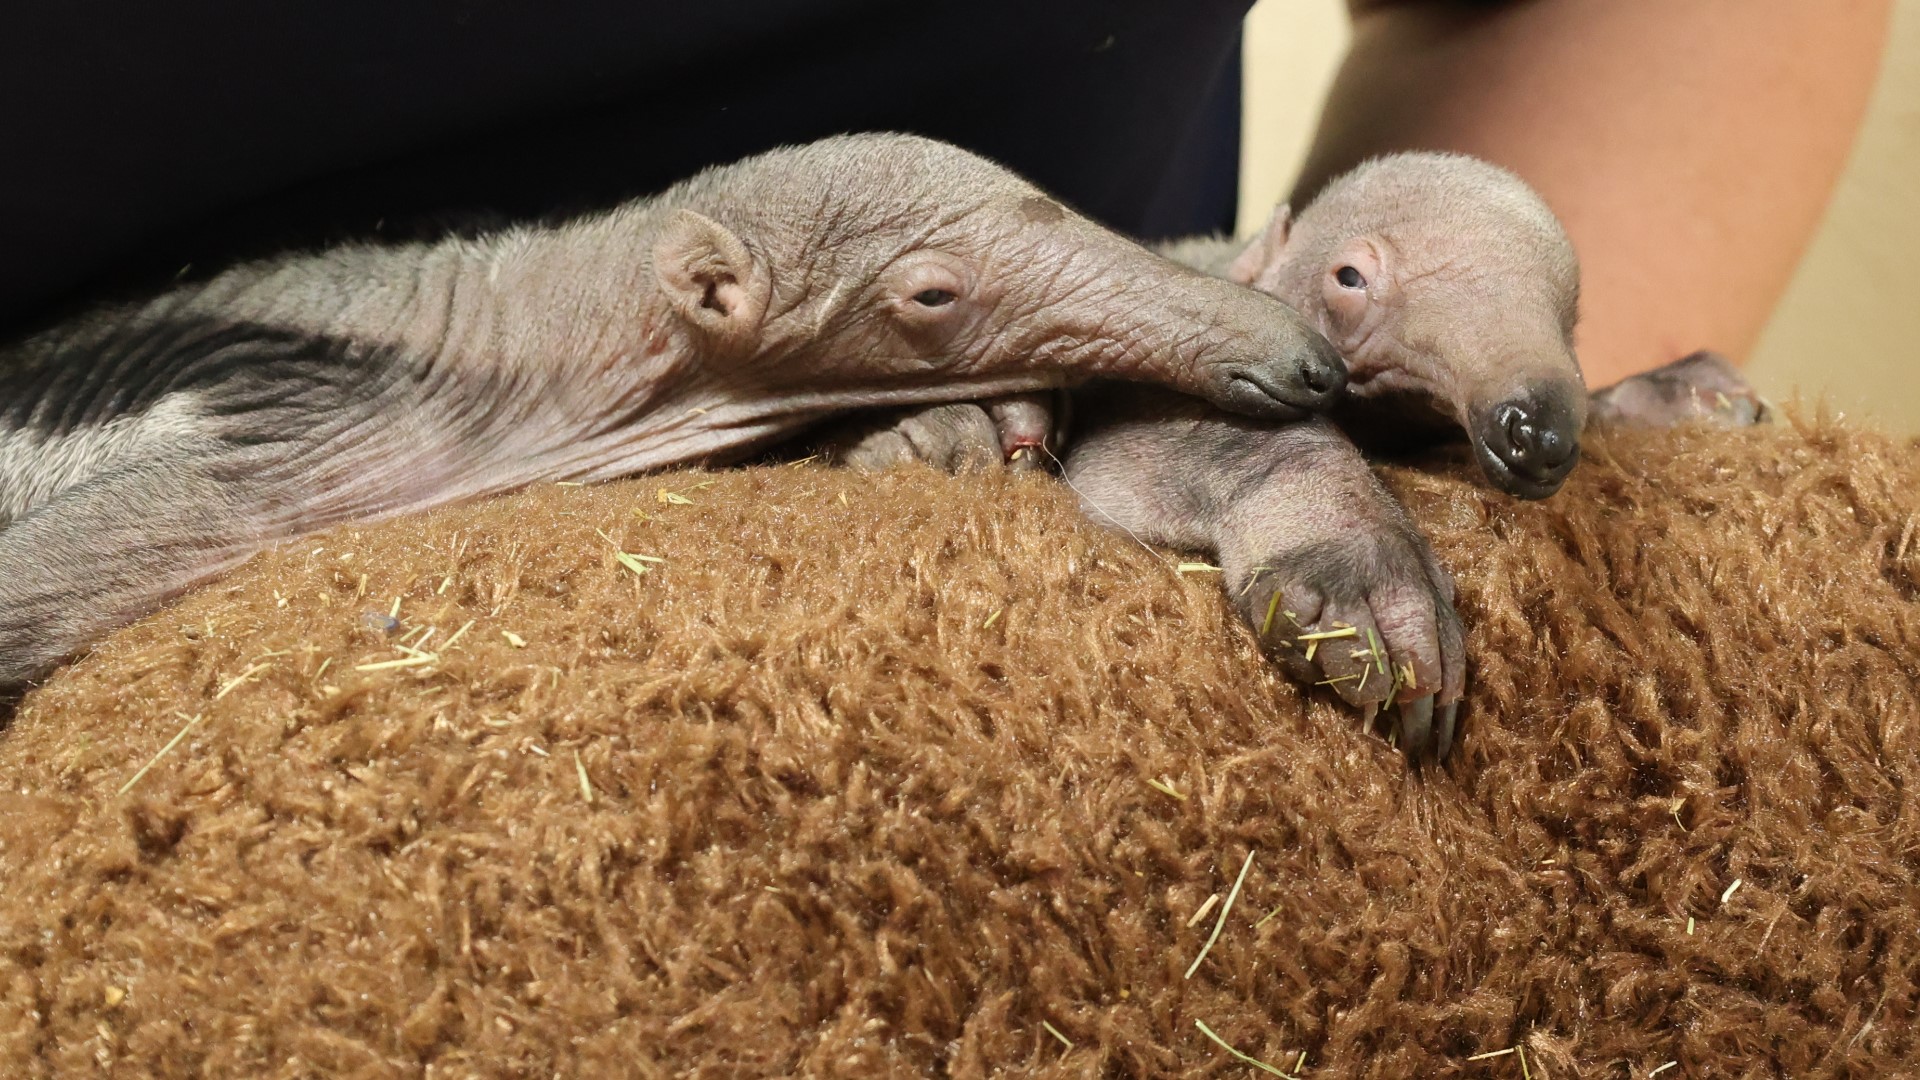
{"x": 146, "y": 448}
{"x": 1463, "y": 314}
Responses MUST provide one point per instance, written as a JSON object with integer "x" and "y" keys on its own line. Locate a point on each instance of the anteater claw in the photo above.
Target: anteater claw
{"x": 1443, "y": 735}
{"x": 1416, "y": 723}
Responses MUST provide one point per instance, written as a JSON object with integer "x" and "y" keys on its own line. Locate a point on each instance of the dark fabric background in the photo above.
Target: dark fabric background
{"x": 142, "y": 137}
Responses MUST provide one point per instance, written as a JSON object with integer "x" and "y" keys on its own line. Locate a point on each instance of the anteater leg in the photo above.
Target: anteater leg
{"x": 1318, "y": 556}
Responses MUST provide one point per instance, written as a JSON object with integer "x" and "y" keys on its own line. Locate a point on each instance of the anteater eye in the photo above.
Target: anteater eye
{"x": 1349, "y": 278}
{"x": 934, "y": 297}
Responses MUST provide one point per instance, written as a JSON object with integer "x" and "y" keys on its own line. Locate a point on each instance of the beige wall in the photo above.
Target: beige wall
{"x": 1849, "y": 326}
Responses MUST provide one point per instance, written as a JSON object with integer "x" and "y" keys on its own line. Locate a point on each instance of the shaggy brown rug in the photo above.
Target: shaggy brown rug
{"x": 911, "y": 775}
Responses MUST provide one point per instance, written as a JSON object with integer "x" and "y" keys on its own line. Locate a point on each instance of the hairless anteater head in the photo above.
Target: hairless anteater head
{"x": 873, "y": 268}
{"x": 1444, "y": 278}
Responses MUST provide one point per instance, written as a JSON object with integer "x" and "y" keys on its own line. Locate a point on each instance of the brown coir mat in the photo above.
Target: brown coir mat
{"x": 787, "y": 771}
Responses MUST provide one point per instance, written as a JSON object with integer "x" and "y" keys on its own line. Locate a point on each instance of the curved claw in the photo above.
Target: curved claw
{"x": 1443, "y": 736}
{"x": 1416, "y": 723}
{"x": 1024, "y": 459}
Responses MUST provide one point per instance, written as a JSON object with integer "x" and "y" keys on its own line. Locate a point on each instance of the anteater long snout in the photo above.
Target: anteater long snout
{"x": 1267, "y": 360}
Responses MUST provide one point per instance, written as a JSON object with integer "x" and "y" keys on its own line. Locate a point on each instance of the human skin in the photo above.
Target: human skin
{"x": 1689, "y": 146}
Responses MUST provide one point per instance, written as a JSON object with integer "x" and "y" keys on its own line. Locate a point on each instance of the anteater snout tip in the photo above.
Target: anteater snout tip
{"x": 1323, "y": 371}
{"x": 1529, "y": 444}
{"x": 1307, "y": 382}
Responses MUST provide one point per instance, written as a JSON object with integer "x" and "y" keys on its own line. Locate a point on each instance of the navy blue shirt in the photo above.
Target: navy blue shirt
{"x": 140, "y": 137}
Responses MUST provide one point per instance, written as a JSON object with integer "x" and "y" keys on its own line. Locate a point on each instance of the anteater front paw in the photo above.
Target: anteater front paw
{"x": 1703, "y": 387}
{"x": 1371, "y": 616}
{"x": 1018, "y": 430}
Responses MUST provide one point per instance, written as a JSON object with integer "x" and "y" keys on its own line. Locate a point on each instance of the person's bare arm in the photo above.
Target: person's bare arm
{"x": 1689, "y": 145}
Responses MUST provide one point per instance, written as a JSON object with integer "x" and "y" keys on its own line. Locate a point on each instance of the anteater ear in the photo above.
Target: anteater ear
{"x": 710, "y": 277}
{"x": 1266, "y": 250}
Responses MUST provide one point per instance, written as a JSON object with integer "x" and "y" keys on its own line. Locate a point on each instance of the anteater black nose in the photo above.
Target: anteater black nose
{"x": 1323, "y": 373}
{"x": 1307, "y": 377}
{"x": 1538, "y": 440}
